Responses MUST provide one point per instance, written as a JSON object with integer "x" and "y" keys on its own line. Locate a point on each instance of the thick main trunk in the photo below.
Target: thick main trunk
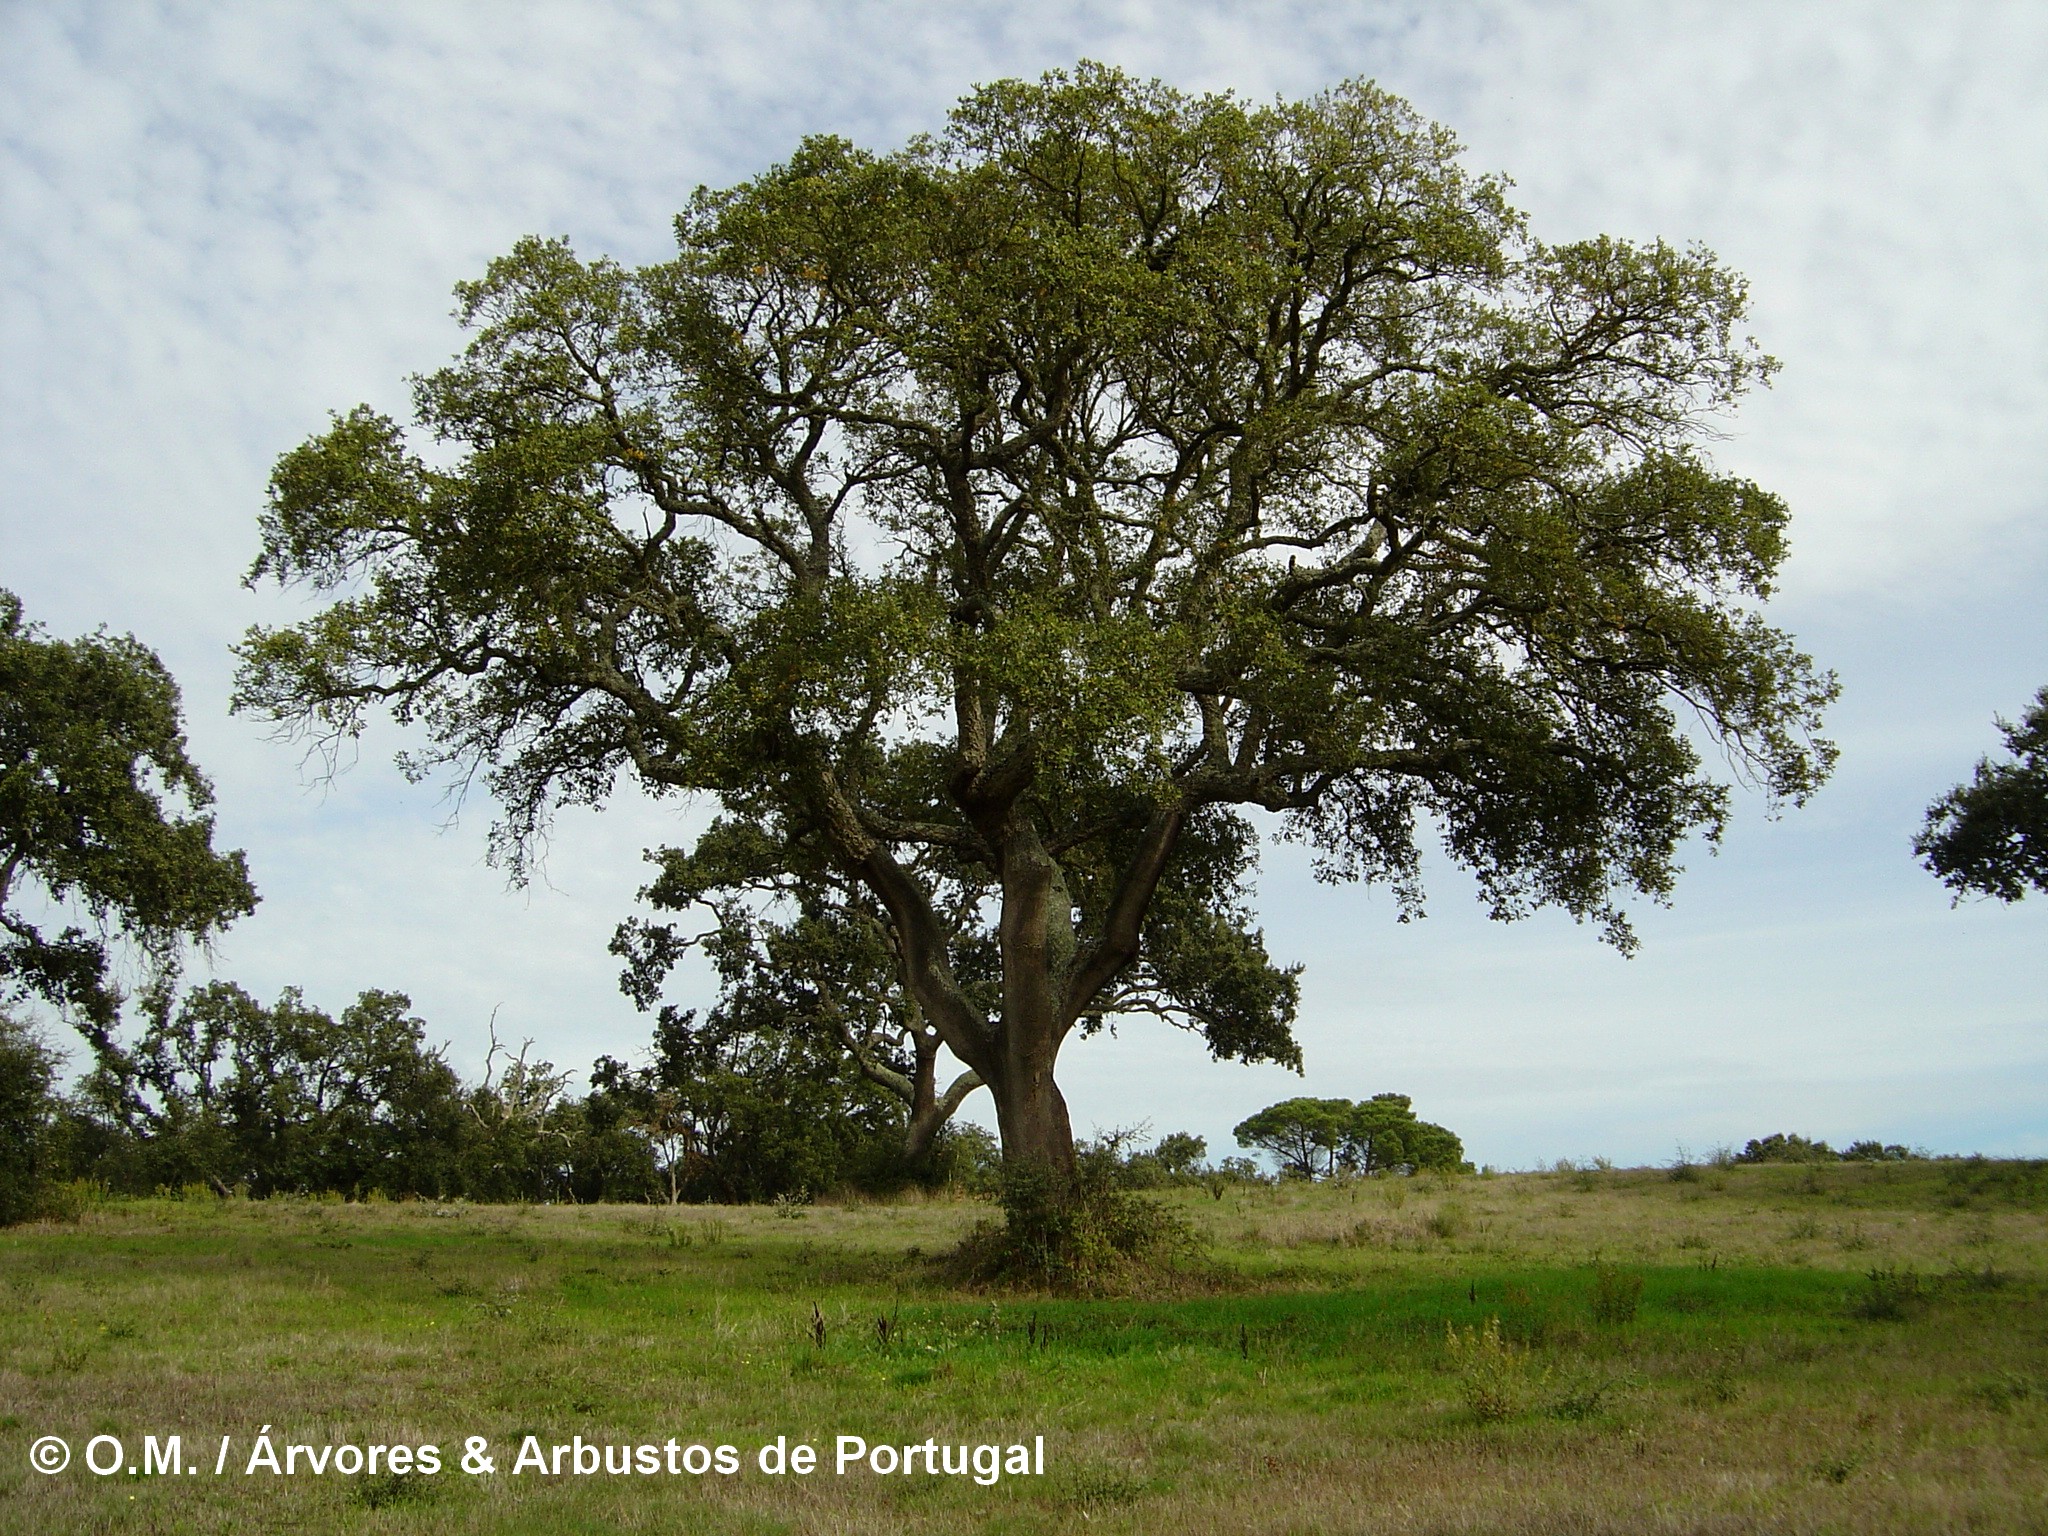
{"x": 1037, "y": 936}
{"x": 1031, "y": 1113}
{"x": 1048, "y": 981}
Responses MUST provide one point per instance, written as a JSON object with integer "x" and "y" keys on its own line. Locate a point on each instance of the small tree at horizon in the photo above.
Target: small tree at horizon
{"x": 991, "y": 528}
{"x": 1312, "y": 1137}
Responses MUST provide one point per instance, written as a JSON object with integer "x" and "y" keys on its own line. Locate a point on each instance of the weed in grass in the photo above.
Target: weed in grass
{"x": 1888, "y": 1296}
{"x": 1587, "y": 1397}
{"x": 1719, "y": 1383}
{"x": 1616, "y": 1295}
{"x": 1446, "y": 1221}
{"x": 393, "y": 1490}
{"x": 1104, "y": 1487}
{"x": 1836, "y": 1469}
{"x": 1803, "y": 1230}
{"x": 1493, "y": 1371}
{"x": 790, "y": 1207}
{"x": 2007, "y": 1389}
{"x": 1691, "y": 1240}
{"x": 1963, "y": 1277}
{"x": 1851, "y": 1239}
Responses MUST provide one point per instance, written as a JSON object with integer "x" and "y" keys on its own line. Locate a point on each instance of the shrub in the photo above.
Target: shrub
{"x": 1493, "y": 1373}
{"x": 1888, "y": 1296}
{"x": 1082, "y": 1233}
{"x": 1616, "y": 1294}
{"x": 1446, "y": 1221}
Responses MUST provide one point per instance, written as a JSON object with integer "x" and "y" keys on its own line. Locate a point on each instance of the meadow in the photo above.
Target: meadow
{"x": 1854, "y": 1348}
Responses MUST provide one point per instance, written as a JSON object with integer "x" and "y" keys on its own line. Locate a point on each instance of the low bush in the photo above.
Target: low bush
{"x": 1082, "y": 1233}
{"x": 1888, "y": 1296}
{"x": 1616, "y": 1294}
{"x": 1493, "y": 1372}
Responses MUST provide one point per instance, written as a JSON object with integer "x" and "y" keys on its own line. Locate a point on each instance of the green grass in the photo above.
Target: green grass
{"x": 1855, "y": 1349}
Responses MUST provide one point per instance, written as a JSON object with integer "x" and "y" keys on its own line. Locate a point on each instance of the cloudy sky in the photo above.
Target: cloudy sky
{"x": 220, "y": 221}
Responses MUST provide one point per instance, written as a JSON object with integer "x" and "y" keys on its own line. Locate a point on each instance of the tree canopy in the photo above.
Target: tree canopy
{"x": 994, "y": 527}
{"x": 1990, "y": 836}
{"x": 103, "y": 814}
{"x": 1312, "y": 1137}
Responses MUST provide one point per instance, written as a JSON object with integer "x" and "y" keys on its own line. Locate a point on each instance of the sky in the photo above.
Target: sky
{"x": 219, "y": 222}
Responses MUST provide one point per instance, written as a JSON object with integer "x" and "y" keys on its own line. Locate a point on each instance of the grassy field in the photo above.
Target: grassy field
{"x": 1856, "y": 1348}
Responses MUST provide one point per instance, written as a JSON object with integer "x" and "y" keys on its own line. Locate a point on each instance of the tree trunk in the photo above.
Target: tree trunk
{"x": 1037, "y": 937}
{"x": 1031, "y": 1113}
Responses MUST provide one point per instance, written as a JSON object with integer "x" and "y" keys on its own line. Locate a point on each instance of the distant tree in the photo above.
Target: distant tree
{"x": 27, "y": 1105}
{"x": 1001, "y": 521}
{"x": 1376, "y": 1134}
{"x": 826, "y": 967}
{"x": 1384, "y": 1136}
{"x": 1318, "y": 1137}
{"x": 1306, "y": 1135}
{"x": 523, "y": 1127}
{"x": 1990, "y": 836}
{"x": 1783, "y": 1147}
{"x": 103, "y": 813}
{"x": 745, "y": 1106}
{"x": 223, "y": 1090}
{"x": 1434, "y": 1148}
{"x": 1179, "y": 1154}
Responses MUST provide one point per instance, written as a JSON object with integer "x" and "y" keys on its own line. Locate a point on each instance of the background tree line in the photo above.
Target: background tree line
{"x": 222, "y": 1091}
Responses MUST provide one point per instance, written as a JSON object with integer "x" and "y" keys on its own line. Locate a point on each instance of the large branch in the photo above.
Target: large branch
{"x": 920, "y": 937}
{"x": 1125, "y": 921}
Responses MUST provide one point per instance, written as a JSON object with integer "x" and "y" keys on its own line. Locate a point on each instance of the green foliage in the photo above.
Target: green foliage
{"x": 814, "y": 976}
{"x": 991, "y": 525}
{"x": 1321, "y": 1137}
{"x": 1990, "y": 837}
{"x": 1779, "y": 1147}
{"x": 27, "y": 1105}
{"x": 101, "y": 813}
{"x": 222, "y": 1090}
{"x": 1306, "y": 1135}
{"x": 742, "y": 1108}
{"x": 223, "y": 1093}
